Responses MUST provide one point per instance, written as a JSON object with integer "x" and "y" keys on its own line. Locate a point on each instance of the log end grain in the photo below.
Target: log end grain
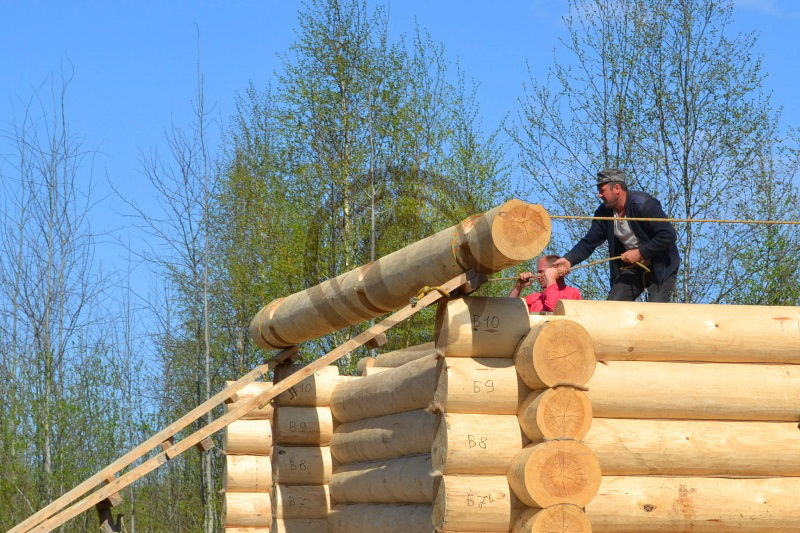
{"x": 559, "y": 352}
{"x": 560, "y": 413}
{"x": 562, "y": 518}
{"x": 554, "y": 472}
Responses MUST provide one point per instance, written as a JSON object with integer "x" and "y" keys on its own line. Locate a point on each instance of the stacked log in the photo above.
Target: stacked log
{"x": 303, "y": 426}
{"x": 247, "y": 478}
{"x": 478, "y": 394}
{"x": 383, "y": 480}
{"x": 504, "y": 236}
{"x": 696, "y": 410}
{"x": 394, "y": 358}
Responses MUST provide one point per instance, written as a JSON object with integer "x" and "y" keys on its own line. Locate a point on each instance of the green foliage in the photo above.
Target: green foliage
{"x": 663, "y": 90}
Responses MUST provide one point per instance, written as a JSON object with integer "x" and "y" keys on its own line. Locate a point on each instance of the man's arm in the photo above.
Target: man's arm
{"x": 663, "y": 235}
{"x": 524, "y": 280}
{"x": 584, "y": 247}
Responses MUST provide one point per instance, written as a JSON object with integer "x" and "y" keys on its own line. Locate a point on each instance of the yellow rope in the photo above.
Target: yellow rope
{"x": 424, "y": 292}
{"x": 585, "y": 265}
{"x": 686, "y": 220}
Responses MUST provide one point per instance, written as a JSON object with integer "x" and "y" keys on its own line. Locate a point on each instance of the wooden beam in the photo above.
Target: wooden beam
{"x": 244, "y": 407}
{"x": 203, "y": 446}
{"x": 154, "y": 441}
{"x": 377, "y": 341}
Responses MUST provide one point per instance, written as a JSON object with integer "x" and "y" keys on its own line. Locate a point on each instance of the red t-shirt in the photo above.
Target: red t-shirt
{"x": 547, "y": 300}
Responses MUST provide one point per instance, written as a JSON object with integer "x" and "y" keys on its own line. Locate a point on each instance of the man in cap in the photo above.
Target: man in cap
{"x": 650, "y": 243}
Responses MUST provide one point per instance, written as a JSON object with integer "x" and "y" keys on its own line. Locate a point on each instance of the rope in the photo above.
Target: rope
{"x": 585, "y": 265}
{"x": 424, "y": 291}
{"x": 686, "y": 220}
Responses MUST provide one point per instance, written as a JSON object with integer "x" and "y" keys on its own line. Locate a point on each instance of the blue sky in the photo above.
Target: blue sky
{"x": 135, "y": 62}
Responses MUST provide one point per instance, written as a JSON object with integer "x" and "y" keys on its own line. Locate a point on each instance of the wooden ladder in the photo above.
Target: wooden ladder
{"x": 60, "y": 511}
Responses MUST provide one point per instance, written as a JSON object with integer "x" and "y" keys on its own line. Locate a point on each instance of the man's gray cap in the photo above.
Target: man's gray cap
{"x": 611, "y": 175}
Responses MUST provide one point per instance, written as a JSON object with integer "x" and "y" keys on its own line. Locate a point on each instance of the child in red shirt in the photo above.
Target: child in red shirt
{"x": 553, "y": 286}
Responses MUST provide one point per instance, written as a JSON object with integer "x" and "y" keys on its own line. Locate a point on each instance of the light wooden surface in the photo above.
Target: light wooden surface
{"x": 688, "y": 332}
{"x": 299, "y": 525}
{"x": 372, "y": 370}
{"x": 695, "y": 447}
{"x": 695, "y": 504}
{"x": 705, "y": 391}
{"x": 302, "y": 465}
{"x": 554, "y": 472}
{"x": 386, "y": 518}
{"x": 408, "y": 479}
{"x": 247, "y": 509}
{"x": 248, "y": 437}
{"x": 563, "y": 518}
{"x": 502, "y": 237}
{"x": 400, "y": 389}
{"x": 479, "y": 385}
{"x": 247, "y": 473}
{"x": 477, "y": 326}
{"x": 476, "y": 444}
{"x": 252, "y": 389}
{"x": 303, "y": 426}
{"x": 404, "y": 355}
{"x": 315, "y": 390}
{"x": 560, "y": 413}
{"x": 301, "y": 501}
{"x": 383, "y": 437}
{"x": 475, "y": 503}
{"x": 558, "y": 352}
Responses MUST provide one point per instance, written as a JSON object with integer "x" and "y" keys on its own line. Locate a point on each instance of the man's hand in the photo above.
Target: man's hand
{"x": 632, "y": 256}
{"x": 551, "y": 274}
{"x": 563, "y": 266}
{"x": 525, "y": 279}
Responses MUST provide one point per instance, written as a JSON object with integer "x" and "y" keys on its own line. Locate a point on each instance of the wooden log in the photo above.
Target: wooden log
{"x": 477, "y": 326}
{"x": 248, "y": 437}
{"x": 475, "y": 503}
{"x": 363, "y": 364}
{"x": 502, "y": 237}
{"x": 563, "y": 518}
{"x": 404, "y": 355}
{"x": 248, "y": 473}
{"x": 384, "y": 437}
{"x": 560, "y": 413}
{"x": 301, "y": 501}
{"x": 247, "y": 530}
{"x": 558, "y": 352}
{"x": 633, "y": 504}
{"x": 247, "y": 509}
{"x": 688, "y": 332}
{"x": 554, "y": 472}
{"x": 704, "y": 391}
{"x": 695, "y": 448}
{"x": 250, "y": 390}
{"x": 299, "y": 525}
{"x": 476, "y": 444}
{"x": 302, "y": 465}
{"x": 400, "y": 389}
{"x": 372, "y": 370}
{"x": 315, "y": 390}
{"x": 303, "y": 426}
{"x": 408, "y": 479}
{"x": 386, "y": 518}
{"x": 479, "y": 385}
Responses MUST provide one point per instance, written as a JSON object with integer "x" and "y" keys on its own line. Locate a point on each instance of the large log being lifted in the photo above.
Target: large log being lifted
{"x": 641, "y": 331}
{"x": 502, "y": 237}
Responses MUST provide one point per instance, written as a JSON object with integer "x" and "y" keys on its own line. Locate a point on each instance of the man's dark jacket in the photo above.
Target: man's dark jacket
{"x": 656, "y": 239}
